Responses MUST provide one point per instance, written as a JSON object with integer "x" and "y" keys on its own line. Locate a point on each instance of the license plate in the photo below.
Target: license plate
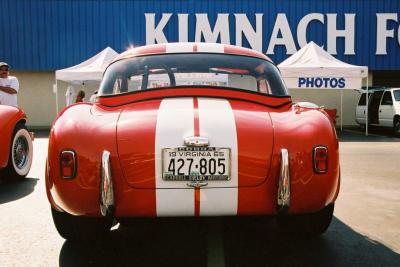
{"x": 196, "y": 164}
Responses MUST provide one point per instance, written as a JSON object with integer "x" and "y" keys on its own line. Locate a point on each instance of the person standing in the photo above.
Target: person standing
{"x": 70, "y": 95}
{"x": 80, "y": 97}
{"x": 93, "y": 97}
{"x": 9, "y": 86}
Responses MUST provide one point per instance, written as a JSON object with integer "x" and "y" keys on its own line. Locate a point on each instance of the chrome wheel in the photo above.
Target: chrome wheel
{"x": 20, "y": 152}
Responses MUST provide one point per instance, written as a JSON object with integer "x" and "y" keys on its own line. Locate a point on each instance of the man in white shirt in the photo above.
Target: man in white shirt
{"x": 9, "y": 86}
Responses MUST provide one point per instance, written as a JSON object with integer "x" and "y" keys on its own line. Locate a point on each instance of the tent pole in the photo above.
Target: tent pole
{"x": 341, "y": 110}
{"x": 366, "y": 111}
{"x": 56, "y": 97}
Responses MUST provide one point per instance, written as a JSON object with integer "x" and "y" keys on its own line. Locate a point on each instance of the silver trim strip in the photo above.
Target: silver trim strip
{"x": 106, "y": 186}
{"x": 284, "y": 182}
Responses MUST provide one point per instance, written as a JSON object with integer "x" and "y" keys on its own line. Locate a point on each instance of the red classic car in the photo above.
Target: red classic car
{"x": 16, "y": 148}
{"x": 191, "y": 129}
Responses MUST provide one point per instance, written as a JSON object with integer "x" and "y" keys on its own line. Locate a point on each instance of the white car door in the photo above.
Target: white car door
{"x": 360, "y": 109}
{"x": 386, "y": 110}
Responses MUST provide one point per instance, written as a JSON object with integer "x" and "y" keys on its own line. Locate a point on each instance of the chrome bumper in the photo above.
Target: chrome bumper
{"x": 284, "y": 183}
{"x": 106, "y": 186}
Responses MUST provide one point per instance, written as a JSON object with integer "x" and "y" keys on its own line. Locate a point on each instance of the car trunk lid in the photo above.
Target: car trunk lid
{"x": 240, "y": 130}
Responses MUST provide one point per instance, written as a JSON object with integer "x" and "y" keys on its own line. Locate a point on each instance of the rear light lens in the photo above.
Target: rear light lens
{"x": 320, "y": 159}
{"x": 68, "y": 164}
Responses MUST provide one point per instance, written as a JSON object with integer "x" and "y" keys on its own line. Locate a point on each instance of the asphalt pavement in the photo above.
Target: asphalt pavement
{"x": 364, "y": 232}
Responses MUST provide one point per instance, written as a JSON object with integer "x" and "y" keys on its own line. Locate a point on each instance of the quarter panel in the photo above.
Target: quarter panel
{"x": 299, "y": 131}
{"x": 88, "y": 133}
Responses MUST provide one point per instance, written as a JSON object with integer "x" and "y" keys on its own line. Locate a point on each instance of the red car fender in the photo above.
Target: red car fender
{"x": 69, "y": 134}
{"x": 9, "y": 117}
{"x": 300, "y": 131}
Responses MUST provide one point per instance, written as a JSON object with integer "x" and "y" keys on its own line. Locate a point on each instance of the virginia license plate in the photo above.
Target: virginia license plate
{"x": 196, "y": 164}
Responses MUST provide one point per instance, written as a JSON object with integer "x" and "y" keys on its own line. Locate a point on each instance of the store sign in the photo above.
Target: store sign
{"x": 323, "y": 82}
{"x": 387, "y": 30}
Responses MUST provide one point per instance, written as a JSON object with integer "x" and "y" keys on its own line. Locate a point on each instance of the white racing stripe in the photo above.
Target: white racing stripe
{"x": 217, "y": 122}
{"x": 210, "y": 48}
{"x": 188, "y": 47}
{"x": 179, "y": 48}
{"x": 174, "y": 123}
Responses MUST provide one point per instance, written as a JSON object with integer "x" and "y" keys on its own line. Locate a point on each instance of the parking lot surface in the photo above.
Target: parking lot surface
{"x": 364, "y": 232}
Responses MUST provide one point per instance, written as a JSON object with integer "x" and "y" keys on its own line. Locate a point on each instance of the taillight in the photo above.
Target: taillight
{"x": 68, "y": 164}
{"x": 320, "y": 159}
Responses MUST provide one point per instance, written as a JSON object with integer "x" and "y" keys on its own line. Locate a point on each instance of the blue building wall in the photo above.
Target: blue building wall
{"x": 49, "y": 35}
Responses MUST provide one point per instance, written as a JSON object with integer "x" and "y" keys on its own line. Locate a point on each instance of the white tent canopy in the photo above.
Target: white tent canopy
{"x": 313, "y": 68}
{"x": 89, "y": 70}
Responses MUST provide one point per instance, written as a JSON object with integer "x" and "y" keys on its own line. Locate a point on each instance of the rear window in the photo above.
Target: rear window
{"x": 396, "y": 94}
{"x": 387, "y": 99}
{"x": 362, "y": 101}
{"x": 191, "y": 70}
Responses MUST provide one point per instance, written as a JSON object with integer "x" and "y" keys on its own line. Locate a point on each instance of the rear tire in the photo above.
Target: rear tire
{"x": 396, "y": 127}
{"x": 21, "y": 154}
{"x": 79, "y": 228}
{"x": 307, "y": 225}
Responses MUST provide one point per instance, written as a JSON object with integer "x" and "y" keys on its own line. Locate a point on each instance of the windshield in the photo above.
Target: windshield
{"x": 396, "y": 94}
{"x": 173, "y": 70}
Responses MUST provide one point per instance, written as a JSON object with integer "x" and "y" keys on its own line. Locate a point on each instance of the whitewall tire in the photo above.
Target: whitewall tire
{"x": 21, "y": 154}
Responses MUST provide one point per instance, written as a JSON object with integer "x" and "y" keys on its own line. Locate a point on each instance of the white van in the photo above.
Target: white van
{"x": 383, "y": 108}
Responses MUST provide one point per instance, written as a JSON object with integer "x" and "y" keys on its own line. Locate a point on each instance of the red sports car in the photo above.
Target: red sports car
{"x": 191, "y": 129}
{"x": 16, "y": 148}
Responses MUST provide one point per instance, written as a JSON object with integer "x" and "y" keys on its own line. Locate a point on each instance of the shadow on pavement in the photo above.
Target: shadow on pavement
{"x": 257, "y": 244}
{"x": 11, "y": 190}
{"x": 247, "y": 242}
{"x": 375, "y": 134}
{"x": 174, "y": 242}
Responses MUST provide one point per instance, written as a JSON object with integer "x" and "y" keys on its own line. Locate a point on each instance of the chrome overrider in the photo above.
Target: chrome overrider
{"x": 284, "y": 183}
{"x": 106, "y": 186}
